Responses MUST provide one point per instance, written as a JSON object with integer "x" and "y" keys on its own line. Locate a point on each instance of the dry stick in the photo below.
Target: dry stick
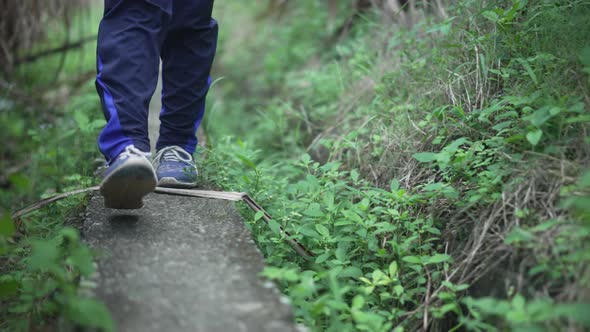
{"x": 225, "y": 195}
{"x": 37, "y": 205}
{"x": 60, "y": 49}
{"x": 298, "y": 247}
{"x": 426, "y": 320}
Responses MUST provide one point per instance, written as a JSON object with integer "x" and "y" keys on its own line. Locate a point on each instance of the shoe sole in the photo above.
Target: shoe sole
{"x": 125, "y": 188}
{"x": 170, "y": 182}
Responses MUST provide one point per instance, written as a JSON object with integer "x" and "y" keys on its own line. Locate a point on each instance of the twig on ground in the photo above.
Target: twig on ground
{"x": 225, "y": 195}
{"x": 59, "y": 49}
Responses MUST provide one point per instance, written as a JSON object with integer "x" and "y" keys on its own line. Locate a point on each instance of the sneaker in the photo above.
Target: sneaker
{"x": 175, "y": 168}
{"x": 128, "y": 178}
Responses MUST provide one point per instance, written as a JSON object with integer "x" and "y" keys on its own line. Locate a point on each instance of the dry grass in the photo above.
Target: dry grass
{"x": 475, "y": 236}
{"x": 25, "y": 22}
{"x": 374, "y": 126}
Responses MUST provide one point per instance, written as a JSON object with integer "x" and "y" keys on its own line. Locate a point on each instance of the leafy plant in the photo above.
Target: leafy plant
{"x": 416, "y": 164}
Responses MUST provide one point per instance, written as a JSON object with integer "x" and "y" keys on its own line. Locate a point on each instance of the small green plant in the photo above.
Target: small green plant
{"x": 49, "y": 147}
{"x": 48, "y": 284}
{"x": 436, "y": 173}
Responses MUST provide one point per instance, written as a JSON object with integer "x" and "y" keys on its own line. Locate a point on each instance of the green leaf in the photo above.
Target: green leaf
{"x": 448, "y": 307}
{"x": 433, "y": 230}
{"x": 518, "y": 302}
{"x": 6, "y": 226}
{"x": 434, "y": 186}
{"x": 438, "y": 258}
{"x": 70, "y": 235}
{"x": 19, "y": 181}
{"x": 378, "y": 275}
{"x": 90, "y": 312}
{"x": 286, "y": 274}
{"x": 328, "y": 199}
{"x": 393, "y": 270}
{"x": 490, "y": 15}
{"x": 82, "y": 120}
{"x": 503, "y": 125}
{"x": 308, "y": 232}
{"x": 425, "y": 157}
{"x": 322, "y": 230}
{"x": 578, "y": 119}
{"x": 8, "y": 288}
{"x": 350, "y": 271}
{"x": 313, "y": 210}
{"x": 44, "y": 254}
{"x": 358, "y": 302}
{"x": 412, "y": 260}
{"x": 461, "y": 287}
{"x": 529, "y": 70}
{"x": 352, "y": 216}
{"x": 305, "y": 158}
{"x": 545, "y": 225}
{"x": 81, "y": 258}
{"x": 576, "y": 311}
{"x": 518, "y": 235}
{"x": 274, "y": 226}
{"x": 453, "y": 146}
{"x": 584, "y": 57}
{"x": 394, "y": 186}
{"x": 534, "y": 136}
{"x": 246, "y": 161}
{"x": 323, "y": 257}
{"x": 539, "y": 117}
{"x": 584, "y": 180}
{"x": 354, "y": 175}
{"x": 342, "y": 251}
{"x": 258, "y": 215}
{"x": 555, "y": 110}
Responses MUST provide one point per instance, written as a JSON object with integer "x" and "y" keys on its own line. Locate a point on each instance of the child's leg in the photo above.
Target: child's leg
{"x": 128, "y": 54}
{"x": 187, "y": 56}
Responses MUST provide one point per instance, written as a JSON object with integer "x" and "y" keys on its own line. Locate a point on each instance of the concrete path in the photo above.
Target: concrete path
{"x": 182, "y": 264}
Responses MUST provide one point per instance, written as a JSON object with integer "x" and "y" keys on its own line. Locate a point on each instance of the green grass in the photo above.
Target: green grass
{"x": 438, "y": 173}
{"x": 48, "y": 129}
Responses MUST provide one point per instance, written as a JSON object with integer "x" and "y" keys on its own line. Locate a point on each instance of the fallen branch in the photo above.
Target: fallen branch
{"x": 37, "y": 205}
{"x": 63, "y": 48}
{"x": 298, "y": 247}
{"x": 224, "y": 195}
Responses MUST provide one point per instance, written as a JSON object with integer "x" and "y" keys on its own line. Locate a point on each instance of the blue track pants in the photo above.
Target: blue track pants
{"x": 132, "y": 38}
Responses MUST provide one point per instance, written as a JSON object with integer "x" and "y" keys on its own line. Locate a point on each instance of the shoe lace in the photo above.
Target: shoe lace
{"x": 132, "y": 150}
{"x": 174, "y": 154}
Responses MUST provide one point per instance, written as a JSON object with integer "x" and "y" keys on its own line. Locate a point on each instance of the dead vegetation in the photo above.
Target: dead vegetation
{"x": 478, "y": 235}
{"x": 25, "y": 23}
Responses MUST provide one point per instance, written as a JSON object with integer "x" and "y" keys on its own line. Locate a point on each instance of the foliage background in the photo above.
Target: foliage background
{"x": 434, "y": 158}
{"x": 49, "y": 119}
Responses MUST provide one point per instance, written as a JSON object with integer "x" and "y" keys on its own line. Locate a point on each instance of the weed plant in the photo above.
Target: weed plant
{"x": 438, "y": 172}
{"x": 49, "y": 119}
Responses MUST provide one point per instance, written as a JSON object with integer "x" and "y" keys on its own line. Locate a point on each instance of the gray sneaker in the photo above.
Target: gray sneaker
{"x": 127, "y": 180}
{"x": 175, "y": 168}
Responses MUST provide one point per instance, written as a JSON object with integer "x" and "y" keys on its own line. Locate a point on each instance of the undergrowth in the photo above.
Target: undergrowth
{"x": 439, "y": 173}
{"x": 49, "y": 117}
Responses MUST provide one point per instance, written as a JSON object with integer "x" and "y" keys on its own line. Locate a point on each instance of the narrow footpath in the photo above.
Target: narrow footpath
{"x": 182, "y": 264}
